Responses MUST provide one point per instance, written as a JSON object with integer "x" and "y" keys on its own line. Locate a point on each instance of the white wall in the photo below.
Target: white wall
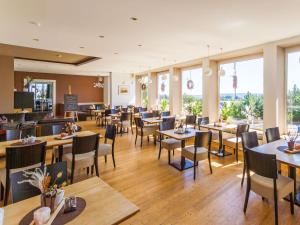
{"x": 122, "y": 79}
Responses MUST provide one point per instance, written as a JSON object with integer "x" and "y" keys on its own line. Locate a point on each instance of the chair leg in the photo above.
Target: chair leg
{"x": 173, "y": 152}
{"x": 244, "y": 171}
{"x": 135, "y": 139}
{"x": 92, "y": 170}
{"x": 96, "y": 168}
{"x": 72, "y": 173}
{"x": 148, "y": 139}
{"x": 209, "y": 162}
{"x": 159, "y": 151}
{"x": 52, "y": 158}
{"x": 141, "y": 140}
{"x": 276, "y": 210}
{"x": 247, "y": 197}
{"x": 1, "y": 191}
{"x": 169, "y": 157}
{"x": 87, "y": 170}
{"x": 105, "y": 158}
{"x": 194, "y": 170}
{"x": 292, "y": 203}
{"x": 237, "y": 152}
{"x": 121, "y": 131}
{"x": 113, "y": 158}
{"x": 7, "y": 188}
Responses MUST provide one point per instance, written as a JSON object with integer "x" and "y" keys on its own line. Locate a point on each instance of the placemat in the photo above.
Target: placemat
{"x": 61, "y": 217}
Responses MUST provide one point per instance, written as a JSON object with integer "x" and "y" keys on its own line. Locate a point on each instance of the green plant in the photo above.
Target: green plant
{"x": 164, "y": 104}
{"x": 196, "y": 107}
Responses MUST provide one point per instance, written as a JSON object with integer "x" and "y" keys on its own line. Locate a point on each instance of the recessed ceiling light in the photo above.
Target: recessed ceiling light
{"x": 81, "y": 47}
{"x": 101, "y": 36}
{"x": 134, "y": 18}
{"x": 35, "y": 23}
{"x": 116, "y": 53}
{"x": 36, "y": 39}
{"x": 59, "y": 55}
{"x": 140, "y": 45}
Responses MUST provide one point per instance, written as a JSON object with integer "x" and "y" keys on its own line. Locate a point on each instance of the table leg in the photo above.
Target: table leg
{"x": 183, "y": 164}
{"x": 221, "y": 152}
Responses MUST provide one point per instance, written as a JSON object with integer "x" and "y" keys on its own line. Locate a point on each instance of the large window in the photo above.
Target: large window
{"x": 191, "y": 86}
{"x": 293, "y": 88}
{"x": 241, "y": 92}
{"x": 163, "y": 81}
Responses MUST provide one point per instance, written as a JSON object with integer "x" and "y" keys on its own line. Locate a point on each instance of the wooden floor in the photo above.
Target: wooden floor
{"x": 168, "y": 196}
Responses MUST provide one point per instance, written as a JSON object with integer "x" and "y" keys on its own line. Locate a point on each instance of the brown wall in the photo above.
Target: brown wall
{"x": 81, "y": 85}
{"x": 6, "y": 84}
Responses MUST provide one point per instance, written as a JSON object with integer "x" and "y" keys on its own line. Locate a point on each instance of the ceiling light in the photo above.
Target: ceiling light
{"x": 116, "y": 53}
{"x": 35, "y": 23}
{"x": 36, "y": 39}
{"x": 207, "y": 71}
{"x": 140, "y": 45}
{"x": 134, "y": 18}
{"x": 81, "y": 47}
{"x": 101, "y": 36}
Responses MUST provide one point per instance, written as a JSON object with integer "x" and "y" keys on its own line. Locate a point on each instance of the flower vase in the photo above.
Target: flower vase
{"x": 291, "y": 145}
{"x": 48, "y": 201}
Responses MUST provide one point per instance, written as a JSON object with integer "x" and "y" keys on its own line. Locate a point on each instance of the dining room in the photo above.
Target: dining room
{"x": 149, "y": 112}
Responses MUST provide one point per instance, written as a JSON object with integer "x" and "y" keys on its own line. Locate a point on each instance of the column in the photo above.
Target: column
{"x": 175, "y": 95}
{"x": 210, "y": 86}
{"x": 6, "y": 84}
{"x": 138, "y": 90}
{"x": 274, "y": 87}
{"x": 107, "y": 90}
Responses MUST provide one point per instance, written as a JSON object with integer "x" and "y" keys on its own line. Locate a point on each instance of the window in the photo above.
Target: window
{"x": 293, "y": 88}
{"x": 163, "y": 81}
{"x": 144, "y": 91}
{"x": 191, "y": 86}
{"x": 241, "y": 92}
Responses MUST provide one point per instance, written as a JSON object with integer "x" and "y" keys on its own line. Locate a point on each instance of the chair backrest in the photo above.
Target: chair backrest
{"x": 167, "y": 125}
{"x": 203, "y": 121}
{"x": 156, "y": 113}
{"x": 165, "y": 113}
{"x": 242, "y": 128}
{"x": 136, "y": 109}
{"x": 107, "y": 112}
{"x": 28, "y": 131}
{"x": 124, "y": 109}
{"x": 22, "y": 191}
{"x": 146, "y": 115}
{"x": 118, "y": 107}
{"x": 25, "y": 155}
{"x": 260, "y": 163}
{"x": 249, "y": 140}
{"x": 169, "y": 120}
{"x": 14, "y": 134}
{"x": 203, "y": 139}
{"x": 272, "y": 134}
{"x": 141, "y": 109}
{"x": 85, "y": 144}
{"x": 51, "y": 129}
{"x": 138, "y": 122}
{"x": 110, "y": 132}
{"x": 190, "y": 119}
{"x": 125, "y": 116}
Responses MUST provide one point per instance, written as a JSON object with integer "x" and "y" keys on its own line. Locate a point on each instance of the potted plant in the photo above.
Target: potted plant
{"x": 51, "y": 194}
{"x": 164, "y": 104}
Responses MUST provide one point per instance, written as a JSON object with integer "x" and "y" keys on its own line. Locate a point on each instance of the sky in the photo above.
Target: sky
{"x": 293, "y": 70}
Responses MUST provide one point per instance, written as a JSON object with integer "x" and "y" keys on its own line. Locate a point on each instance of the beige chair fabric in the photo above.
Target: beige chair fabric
{"x": 81, "y": 160}
{"x": 189, "y": 151}
{"x": 264, "y": 186}
{"x": 231, "y": 142}
{"x": 104, "y": 149}
{"x": 170, "y": 144}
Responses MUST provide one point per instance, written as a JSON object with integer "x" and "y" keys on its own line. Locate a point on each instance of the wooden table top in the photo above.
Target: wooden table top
{"x": 273, "y": 148}
{"x": 104, "y": 205}
{"x": 221, "y": 127}
{"x": 172, "y": 134}
{"x": 51, "y": 141}
{"x": 152, "y": 120}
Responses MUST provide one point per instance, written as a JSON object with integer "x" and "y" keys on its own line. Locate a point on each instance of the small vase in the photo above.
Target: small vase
{"x": 291, "y": 145}
{"x": 48, "y": 201}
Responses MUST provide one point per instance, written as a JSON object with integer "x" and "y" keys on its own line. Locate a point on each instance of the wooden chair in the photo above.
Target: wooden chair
{"x": 144, "y": 130}
{"x": 125, "y": 122}
{"x": 145, "y": 115}
{"x": 272, "y": 134}
{"x": 200, "y": 150}
{"x": 14, "y": 134}
{"x": 20, "y": 158}
{"x": 235, "y": 142}
{"x": 156, "y": 113}
{"x": 22, "y": 191}
{"x": 142, "y": 109}
{"x": 84, "y": 154}
{"x": 249, "y": 140}
{"x": 190, "y": 120}
{"x": 108, "y": 149}
{"x": 107, "y": 117}
{"x": 202, "y": 121}
{"x": 266, "y": 181}
{"x": 165, "y": 113}
{"x": 28, "y": 131}
{"x": 169, "y": 143}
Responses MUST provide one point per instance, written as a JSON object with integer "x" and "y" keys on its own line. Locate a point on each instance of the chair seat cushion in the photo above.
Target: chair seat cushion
{"x": 231, "y": 142}
{"x": 81, "y": 160}
{"x": 104, "y": 149}
{"x": 148, "y": 130}
{"x": 201, "y": 153}
{"x": 124, "y": 123}
{"x": 3, "y": 172}
{"x": 264, "y": 186}
{"x": 170, "y": 143}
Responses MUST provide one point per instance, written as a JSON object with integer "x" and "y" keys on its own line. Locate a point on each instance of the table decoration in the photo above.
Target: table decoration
{"x": 70, "y": 128}
{"x": 291, "y": 139}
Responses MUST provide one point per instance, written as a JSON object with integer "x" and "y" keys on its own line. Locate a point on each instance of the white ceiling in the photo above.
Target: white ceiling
{"x": 169, "y": 30}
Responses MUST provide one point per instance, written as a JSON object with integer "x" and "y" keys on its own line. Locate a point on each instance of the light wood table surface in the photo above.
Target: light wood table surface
{"x": 104, "y": 205}
{"x": 51, "y": 141}
{"x": 183, "y": 164}
{"x": 152, "y": 120}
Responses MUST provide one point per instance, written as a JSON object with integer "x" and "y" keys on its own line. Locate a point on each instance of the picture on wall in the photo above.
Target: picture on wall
{"x": 123, "y": 89}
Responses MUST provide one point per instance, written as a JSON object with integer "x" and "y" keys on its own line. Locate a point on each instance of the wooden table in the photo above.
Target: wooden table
{"x": 292, "y": 160}
{"x": 183, "y": 164}
{"x": 104, "y": 205}
{"x": 51, "y": 142}
{"x": 220, "y": 128}
{"x": 153, "y": 120}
